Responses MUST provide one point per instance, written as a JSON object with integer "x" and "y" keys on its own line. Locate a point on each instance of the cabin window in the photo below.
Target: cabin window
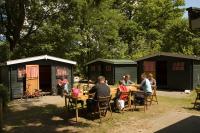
{"x": 178, "y": 66}
{"x": 93, "y": 68}
{"x": 32, "y": 72}
{"x": 108, "y": 68}
{"x": 61, "y": 71}
{"x": 149, "y": 66}
{"x": 21, "y": 72}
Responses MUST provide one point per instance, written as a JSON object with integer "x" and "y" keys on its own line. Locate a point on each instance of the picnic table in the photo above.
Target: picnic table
{"x": 132, "y": 88}
{"x": 80, "y": 97}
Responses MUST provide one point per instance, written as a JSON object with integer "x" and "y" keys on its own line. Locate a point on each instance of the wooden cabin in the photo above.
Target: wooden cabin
{"x": 112, "y": 69}
{"x": 35, "y": 73}
{"x": 171, "y": 71}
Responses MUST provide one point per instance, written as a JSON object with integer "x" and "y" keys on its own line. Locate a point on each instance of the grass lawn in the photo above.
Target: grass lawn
{"x": 49, "y": 115}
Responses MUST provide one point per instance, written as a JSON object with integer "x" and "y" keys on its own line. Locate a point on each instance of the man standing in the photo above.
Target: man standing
{"x": 100, "y": 90}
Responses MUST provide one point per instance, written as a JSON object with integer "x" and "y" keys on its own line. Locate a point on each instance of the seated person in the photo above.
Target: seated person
{"x": 120, "y": 99}
{"x": 127, "y": 80}
{"x": 152, "y": 80}
{"x": 100, "y": 89}
{"x": 75, "y": 94}
{"x": 146, "y": 87}
{"x": 63, "y": 86}
{"x": 145, "y": 84}
{"x": 66, "y": 87}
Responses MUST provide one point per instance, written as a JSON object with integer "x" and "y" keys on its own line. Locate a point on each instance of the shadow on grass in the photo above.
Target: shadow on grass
{"x": 188, "y": 125}
{"x": 38, "y": 119}
{"x": 192, "y": 108}
{"x": 197, "y": 107}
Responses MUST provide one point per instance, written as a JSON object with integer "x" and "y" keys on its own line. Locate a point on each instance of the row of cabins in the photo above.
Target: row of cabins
{"x": 172, "y": 71}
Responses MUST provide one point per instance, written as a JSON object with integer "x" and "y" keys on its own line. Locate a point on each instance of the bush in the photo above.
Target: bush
{"x": 4, "y": 94}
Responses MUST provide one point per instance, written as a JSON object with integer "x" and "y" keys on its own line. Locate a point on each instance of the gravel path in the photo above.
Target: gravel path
{"x": 173, "y": 94}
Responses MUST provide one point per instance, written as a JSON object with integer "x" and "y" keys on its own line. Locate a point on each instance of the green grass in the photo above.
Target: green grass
{"x": 166, "y": 104}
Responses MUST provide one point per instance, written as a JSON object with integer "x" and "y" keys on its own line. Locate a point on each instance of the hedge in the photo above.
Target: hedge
{"x": 4, "y": 94}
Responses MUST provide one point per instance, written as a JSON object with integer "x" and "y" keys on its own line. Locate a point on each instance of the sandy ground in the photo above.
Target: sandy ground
{"x": 171, "y": 122}
{"x": 47, "y": 114}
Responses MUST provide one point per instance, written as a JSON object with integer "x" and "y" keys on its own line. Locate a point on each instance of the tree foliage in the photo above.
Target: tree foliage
{"x": 84, "y": 30}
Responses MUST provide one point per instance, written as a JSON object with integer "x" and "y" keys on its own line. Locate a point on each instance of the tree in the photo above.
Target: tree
{"x": 147, "y": 23}
{"x": 179, "y": 38}
{"x": 83, "y": 30}
{"x": 25, "y": 17}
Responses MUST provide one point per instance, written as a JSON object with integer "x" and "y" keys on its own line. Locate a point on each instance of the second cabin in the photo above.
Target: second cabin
{"x": 171, "y": 71}
{"x": 112, "y": 69}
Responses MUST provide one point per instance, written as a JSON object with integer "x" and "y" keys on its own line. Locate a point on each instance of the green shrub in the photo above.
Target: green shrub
{"x": 198, "y": 86}
{"x": 4, "y": 94}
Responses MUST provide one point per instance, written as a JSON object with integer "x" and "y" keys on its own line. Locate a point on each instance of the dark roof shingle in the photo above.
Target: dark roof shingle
{"x": 177, "y": 55}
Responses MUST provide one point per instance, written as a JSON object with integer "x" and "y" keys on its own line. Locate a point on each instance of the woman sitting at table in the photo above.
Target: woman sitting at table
{"x": 127, "y": 80}
{"x": 120, "y": 99}
{"x": 152, "y": 80}
{"x": 75, "y": 94}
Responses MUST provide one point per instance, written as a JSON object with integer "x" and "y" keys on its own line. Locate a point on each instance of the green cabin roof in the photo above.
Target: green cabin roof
{"x": 113, "y": 61}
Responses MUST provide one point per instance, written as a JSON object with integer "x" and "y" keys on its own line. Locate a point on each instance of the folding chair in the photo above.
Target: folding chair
{"x": 103, "y": 104}
{"x": 154, "y": 95}
{"x": 197, "y": 98}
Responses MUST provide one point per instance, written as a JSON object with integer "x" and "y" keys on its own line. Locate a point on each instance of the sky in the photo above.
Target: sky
{"x": 191, "y": 3}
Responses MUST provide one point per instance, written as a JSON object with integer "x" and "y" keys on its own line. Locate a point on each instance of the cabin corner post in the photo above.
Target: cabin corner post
{"x": 191, "y": 75}
{"x": 54, "y": 80}
{"x": 9, "y": 83}
{"x": 114, "y": 78}
{"x": 72, "y": 76}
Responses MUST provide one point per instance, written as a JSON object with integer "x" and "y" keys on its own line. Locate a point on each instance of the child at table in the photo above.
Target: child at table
{"x": 76, "y": 92}
{"x": 120, "y": 99}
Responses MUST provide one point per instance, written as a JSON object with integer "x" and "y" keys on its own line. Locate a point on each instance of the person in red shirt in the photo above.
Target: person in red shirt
{"x": 120, "y": 99}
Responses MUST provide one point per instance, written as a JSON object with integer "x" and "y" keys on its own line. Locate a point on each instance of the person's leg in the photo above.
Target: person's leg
{"x": 122, "y": 104}
{"x": 62, "y": 92}
{"x": 139, "y": 99}
{"x": 148, "y": 93}
{"x": 81, "y": 102}
{"x": 89, "y": 105}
